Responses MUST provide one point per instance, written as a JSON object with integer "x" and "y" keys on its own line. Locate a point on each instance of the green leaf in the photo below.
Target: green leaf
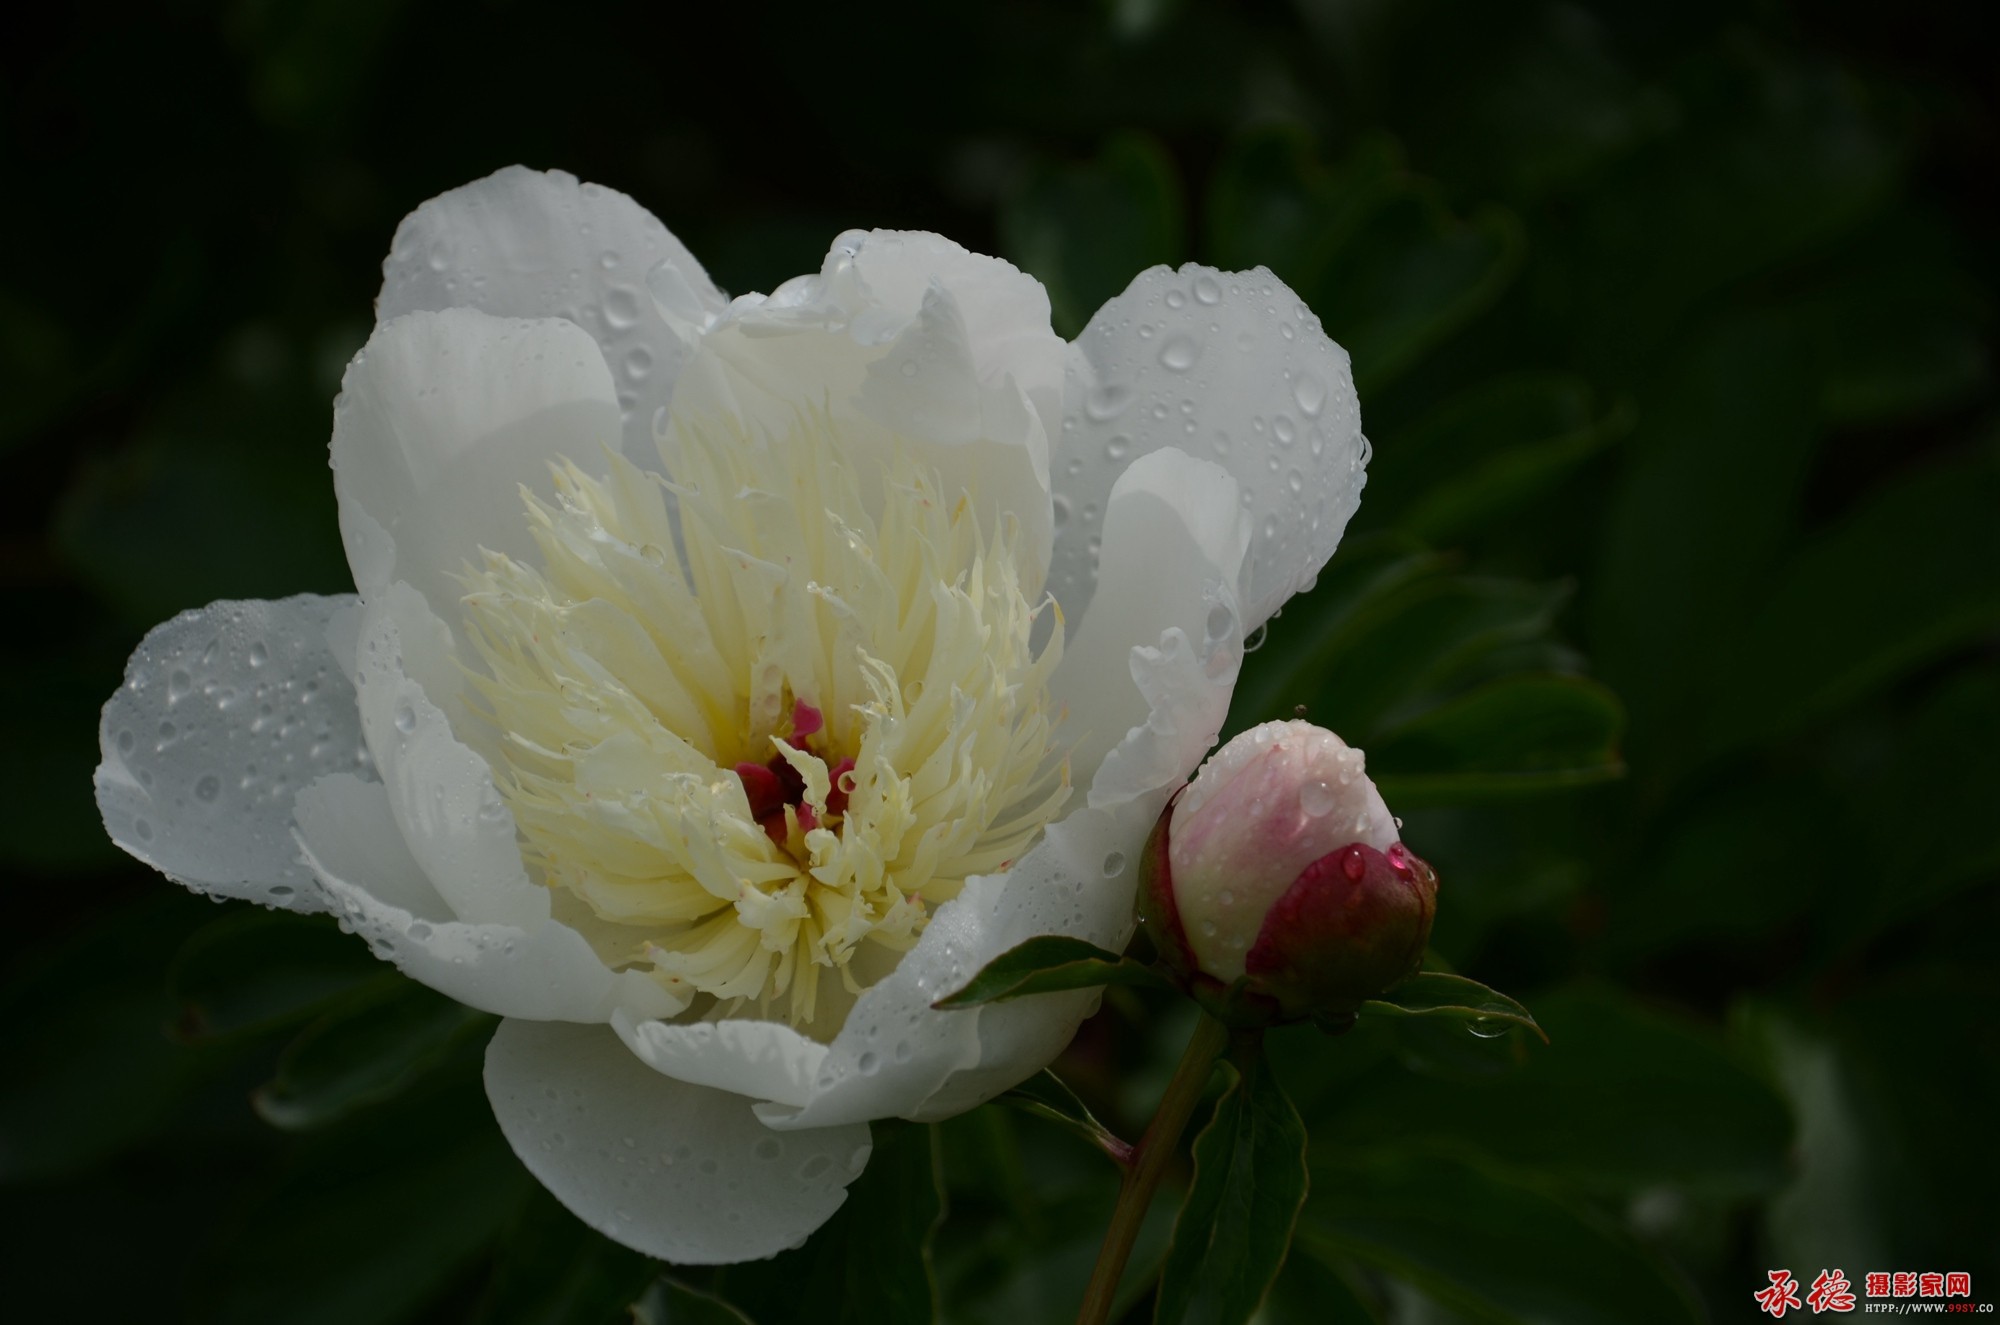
{"x": 1902, "y": 333}
{"x": 1312, "y": 1291}
{"x": 363, "y": 1052}
{"x": 1085, "y": 230}
{"x": 1437, "y": 994}
{"x": 1046, "y": 1097}
{"x": 91, "y": 1070}
{"x": 1387, "y": 634}
{"x": 1520, "y": 734}
{"x": 255, "y": 969}
{"x": 1047, "y": 964}
{"x": 1629, "y": 1099}
{"x": 1912, "y": 574}
{"x": 550, "y": 1268}
{"x": 871, "y": 1263}
{"x": 376, "y": 1219}
{"x": 670, "y": 1302}
{"x": 1236, "y": 1224}
{"x": 1484, "y": 453}
{"x": 1360, "y": 586}
{"x": 1376, "y": 253}
{"x": 1695, "y": 525}
{"x": 1496, "y": 1248}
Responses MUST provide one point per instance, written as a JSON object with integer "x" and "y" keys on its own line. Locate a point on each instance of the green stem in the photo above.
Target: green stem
{"x": 1149, "y": 1164}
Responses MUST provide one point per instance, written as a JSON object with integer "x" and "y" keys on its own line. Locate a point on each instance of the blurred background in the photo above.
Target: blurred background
{"x": 1670, "y": 620}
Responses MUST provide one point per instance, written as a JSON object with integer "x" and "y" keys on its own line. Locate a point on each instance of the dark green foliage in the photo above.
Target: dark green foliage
{"x": 1669, "y": 624}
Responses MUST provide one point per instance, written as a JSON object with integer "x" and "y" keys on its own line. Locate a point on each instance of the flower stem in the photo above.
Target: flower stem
{"x": 1149, "y": 1164}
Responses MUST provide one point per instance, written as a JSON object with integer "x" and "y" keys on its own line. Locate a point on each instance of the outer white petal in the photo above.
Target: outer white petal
{"x": 680, "y": 1172}
{"x": 1228, "y": 366}
{"x": 765, "y": 1060}
{"x": 351, "y": 841}
{"x": 441, "y": 419}
{"x": 440, "y": 791}
{"x": 534, "y": 244}
{"x": 1006, "y": 311}
{"x": 1146, "y": 679}
{"x": 931, "y": 369}
{"x": 225, "y": 713}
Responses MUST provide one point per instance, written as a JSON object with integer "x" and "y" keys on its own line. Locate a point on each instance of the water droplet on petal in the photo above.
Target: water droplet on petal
{"x": 1106, "y": 402}
{"x": 1179, "y": 353}
{"x": 406, "y": 719}
{"x": 208, "y": 788}
{"x": 1206, "y": 290}
{"x": 1310, "y": 394}
{"x": 1316, "y": 798}
{"x": 621, "y": 308}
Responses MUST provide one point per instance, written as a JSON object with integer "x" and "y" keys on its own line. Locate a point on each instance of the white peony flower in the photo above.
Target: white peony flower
{"x": 728, "y": 680}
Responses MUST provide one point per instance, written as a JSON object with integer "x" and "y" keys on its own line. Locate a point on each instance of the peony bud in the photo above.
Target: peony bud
{"x": 1279, "y": 867}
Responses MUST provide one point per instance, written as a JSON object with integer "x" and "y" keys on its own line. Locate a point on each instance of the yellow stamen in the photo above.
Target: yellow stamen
{"x": 629, "y": 687}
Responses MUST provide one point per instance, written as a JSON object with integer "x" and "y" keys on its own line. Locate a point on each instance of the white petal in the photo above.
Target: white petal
{"x": 911, "y": 373}
{"x": 1079, "y": 880}
{"x": 680, "y": 1172}
{"x": 1227, "y": 366}
{"x": 224, "y": 714}
{"x": 441, "y": 419}
{"x": 440, "y": 790}
{"x": 1005, "y": 311}
{"x": 765, "y": 1060}
{"x": 348, "y": 834}
{"x": 897, "y": 1056}
{"x": 1147, "y": 677}
{"x": 534, "y": 244}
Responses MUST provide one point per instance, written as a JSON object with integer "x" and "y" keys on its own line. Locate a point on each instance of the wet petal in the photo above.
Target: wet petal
{"x": 225, "y": 713}
{"x": 680, "y": 1172}
{"x": 1232, "y": 367}
{"x": 539, "y": 244}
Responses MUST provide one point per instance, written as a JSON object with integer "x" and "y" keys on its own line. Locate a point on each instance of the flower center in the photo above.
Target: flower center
{"x": 772, "y": 760}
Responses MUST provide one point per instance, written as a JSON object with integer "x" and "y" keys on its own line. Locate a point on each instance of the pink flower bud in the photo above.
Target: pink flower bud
{"x": 1279, "y": 866}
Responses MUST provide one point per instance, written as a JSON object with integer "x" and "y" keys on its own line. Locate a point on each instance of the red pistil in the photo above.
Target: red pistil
{"x": 772, "y": 786}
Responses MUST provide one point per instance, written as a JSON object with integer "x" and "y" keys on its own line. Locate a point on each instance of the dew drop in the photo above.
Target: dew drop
{"x": 1175, "y": 299}
{"x": 1487, "y": 1028}
{"x": 406, "y": 719}
{"x": 259, "y": 655}
{"x": 126, "y": 740}
{"x": 177, "y": 687}
{"x": 1118, "y": 447}
{"x": 1295, "y": 481}
{"x": 814, "y": 1167}
{"x": 769, "y": 1148}
{"x": 1179, "y": 353}
{"x": 1310, "y": 393}
{"x": 621, "y": 308}
{"x": 1352, "y": 865}
{"x": 1114, "y": 864}
{"x": 1061, "y": 510}
{"x": 868, "y": 1064}
{"x": 208, "y": 788}
{"x": 639, "y": 363}
{"x": 1284, "y": 430}
{"x": 1316, "y": 798}
{"x": 1106, "y": 402}
{"x": 143, "y": 829}
{"x": 1206, "y": 290}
